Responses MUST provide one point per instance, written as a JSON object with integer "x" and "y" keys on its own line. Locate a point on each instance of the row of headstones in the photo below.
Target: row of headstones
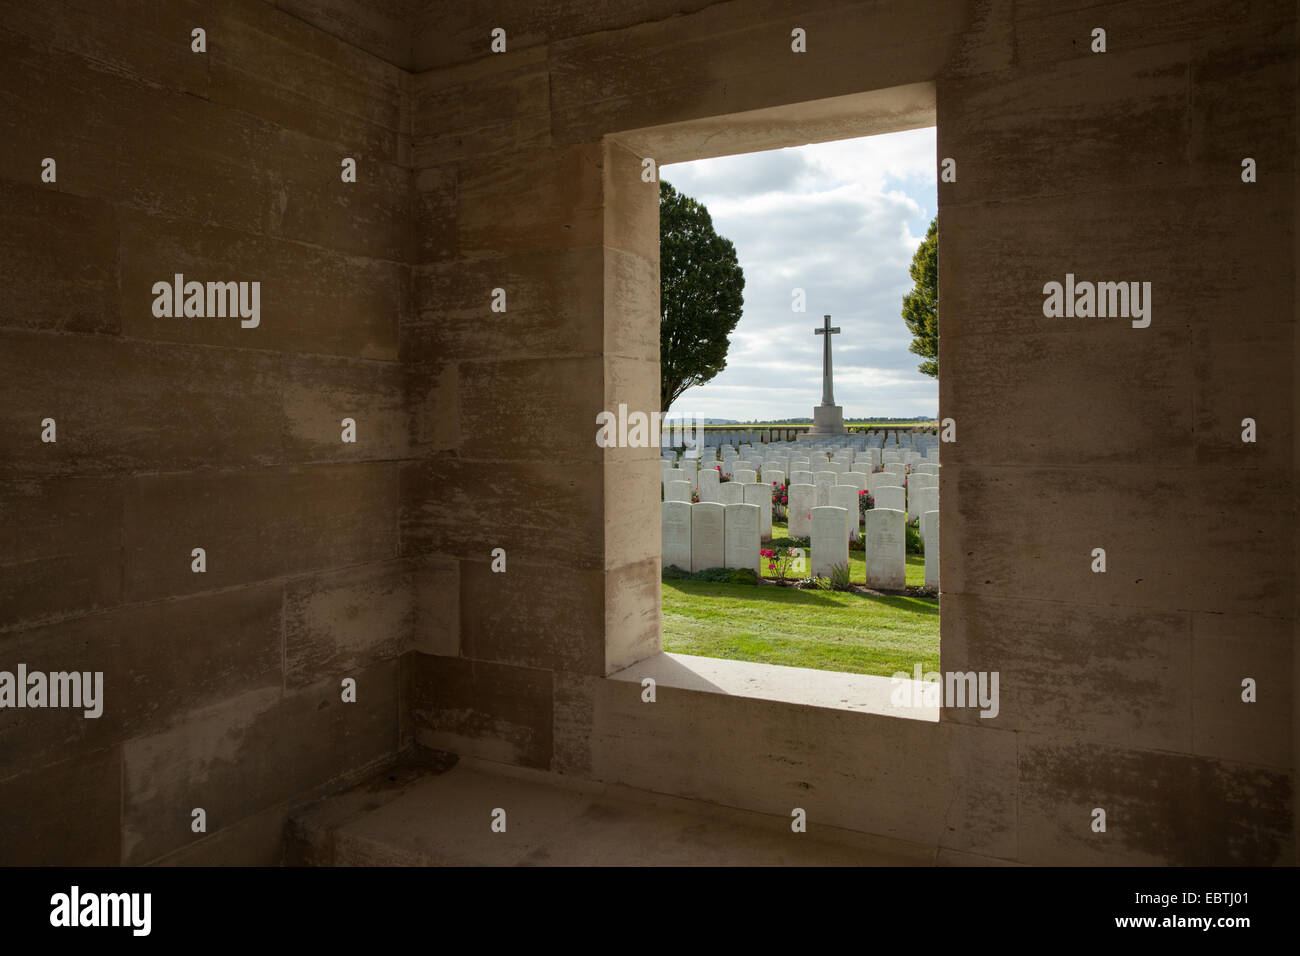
{"x": 884, "y": 541}
{"x": 713, "y": 535}
{"x": 840, "y": 460}
{"x": 876, "y": 437}
{"x": 891, "y": 488}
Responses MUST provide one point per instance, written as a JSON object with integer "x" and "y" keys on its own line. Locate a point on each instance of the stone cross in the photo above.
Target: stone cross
{"x": 828, "y": 398}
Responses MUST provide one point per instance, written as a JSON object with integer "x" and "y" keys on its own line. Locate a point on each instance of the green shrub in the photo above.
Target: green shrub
{"x": 711, "y": 575}
{"x": 840, "y": 578}
{"x": 914, "y": 544}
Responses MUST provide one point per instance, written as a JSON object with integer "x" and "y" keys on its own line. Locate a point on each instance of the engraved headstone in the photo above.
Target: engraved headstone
{"x": 846, "y": 497}
{"x": 741, "y": 533}
{"x": 706, "y": 536}
{"x": 830, "y": 540}
{"x": 885, "y": 541}
{"x": 760, "y": 495}
{"x": 803, "y": 498}
{"x": 676, "y": 527}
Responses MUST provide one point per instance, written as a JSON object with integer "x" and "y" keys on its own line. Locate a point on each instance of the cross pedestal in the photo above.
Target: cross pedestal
{"x": 828, "y": 418}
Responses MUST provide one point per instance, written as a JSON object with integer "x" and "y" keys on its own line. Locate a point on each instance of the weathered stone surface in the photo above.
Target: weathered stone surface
{"x": 319, "y": 392}
{"x": 134, "y": 405}
{"x": 476, "y": 708}
{"x": 60, "y": 255}
{"x": 497, "y": 104}
{"x": 1161, "y": 555}
{"x": 277, "y": 67}
{"x": 249, "y": 752}
{"x": 436, "y": 605}
{"x": 158, "y": 660}
{"x": 370, "y": 217}
{"x": 255, "y": 524}
{"x": 553, "y": 308}
{"x": 338, "y": 623}
{"x": 60, "y": 547}
{"x": 1160, "y": 807}
{"x": 536, "y": 506}
{"x": 65, "y": 815}
{"x": 524, "y": 616}
{"x": 313, "y": 300}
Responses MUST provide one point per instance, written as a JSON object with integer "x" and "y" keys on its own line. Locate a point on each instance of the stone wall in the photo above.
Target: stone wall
{"x": 222, "y": 689}
{"x": 1120, "y": 689}
{"x": 521, "y": 171}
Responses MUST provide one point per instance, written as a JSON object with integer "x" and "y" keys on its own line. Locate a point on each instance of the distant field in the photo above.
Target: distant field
{"x": 846, "y": 425}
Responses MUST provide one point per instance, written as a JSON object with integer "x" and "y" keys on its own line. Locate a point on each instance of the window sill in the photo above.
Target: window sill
{"x": 832, "y": 690}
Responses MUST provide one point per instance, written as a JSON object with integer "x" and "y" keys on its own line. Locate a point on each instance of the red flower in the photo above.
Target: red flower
{"x": 785, "y": 500}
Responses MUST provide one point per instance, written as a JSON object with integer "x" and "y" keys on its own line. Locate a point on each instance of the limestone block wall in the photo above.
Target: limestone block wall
{"x": 222, "y": 689}
{"x": 1121, "y": 690}
{"x": 520, "y": 172}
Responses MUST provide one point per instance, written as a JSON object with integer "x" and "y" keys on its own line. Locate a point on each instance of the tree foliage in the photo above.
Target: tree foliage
{"x": 701, "y": 295}
{"x": 921, "y": 305}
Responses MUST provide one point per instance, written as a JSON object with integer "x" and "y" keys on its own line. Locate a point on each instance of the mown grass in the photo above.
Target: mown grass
{"x": 824, "y": 630}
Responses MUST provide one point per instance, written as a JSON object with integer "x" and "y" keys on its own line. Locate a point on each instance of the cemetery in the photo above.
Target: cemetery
{"x": 830, "y": 511}
{"x": 433, "y": 582}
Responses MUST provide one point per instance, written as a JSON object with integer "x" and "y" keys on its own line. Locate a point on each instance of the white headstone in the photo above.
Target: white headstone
{"x": 745, "y": 476}
{"x": 854, "y": 478}
{"x": 741, "y": 533}
{"x": 846, "y": 497}
{"x": 676, "y": 525}
{"x": 731, "y": 492}
{"x": 836, "y": 466}
{"x": 708, "y": 487}
{"x": 803, "y": 498}
{"x": 706, "y": 536}
{"x": 673, "y": 474}
{"x": 799, "y": 477}
{"x": 930, "y": 531}
{"x": 879, "y": 480}
{"x": 875, "y": 457}
{"x": 923, "y": 500}
{"x": 891, "y": 497}
{"x": 773, "y": 476}
{"x": 830, "y": 540}
{"x": 677, "y": 491}
{"x": 915, "y": 482}
{"x": 885, "y": 540}
{"x": 896, "y": 468}
{"x": 761, "y": 495}
{"x": 825, "y": 481}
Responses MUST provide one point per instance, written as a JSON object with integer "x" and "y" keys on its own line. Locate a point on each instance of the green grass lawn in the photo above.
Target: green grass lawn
{"x": 825, "y": 630}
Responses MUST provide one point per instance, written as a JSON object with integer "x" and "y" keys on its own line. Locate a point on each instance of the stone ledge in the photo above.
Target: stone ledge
{"x": 860, "y": 693}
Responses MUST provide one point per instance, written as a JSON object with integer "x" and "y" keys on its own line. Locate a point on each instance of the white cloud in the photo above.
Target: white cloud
{"x": 840, "y": 220}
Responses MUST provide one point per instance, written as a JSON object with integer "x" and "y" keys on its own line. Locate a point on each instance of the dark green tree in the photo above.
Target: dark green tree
{"x": 921, "y": 305}
{"x": 701, "y": 295}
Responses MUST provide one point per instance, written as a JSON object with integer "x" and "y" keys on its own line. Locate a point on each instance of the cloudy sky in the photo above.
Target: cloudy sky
{"x": 841, "y": 221}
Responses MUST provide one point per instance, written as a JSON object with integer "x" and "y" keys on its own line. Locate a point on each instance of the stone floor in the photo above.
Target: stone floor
{"x": 432, "y": 810}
